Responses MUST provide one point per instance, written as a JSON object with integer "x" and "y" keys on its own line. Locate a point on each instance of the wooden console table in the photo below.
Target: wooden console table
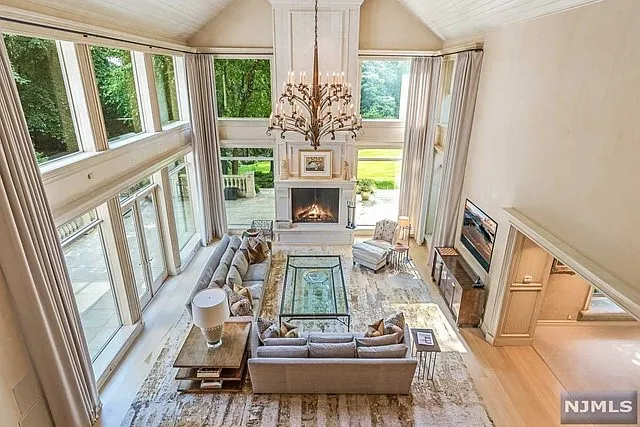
{"x": 230, "y": 358}
{"x": 454, "y": 277}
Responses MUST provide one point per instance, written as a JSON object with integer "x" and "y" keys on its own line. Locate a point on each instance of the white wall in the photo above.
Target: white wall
{"x": 556, "y": 134}
{"x": 244, "y": 23}
{"x": 389, "y": 25}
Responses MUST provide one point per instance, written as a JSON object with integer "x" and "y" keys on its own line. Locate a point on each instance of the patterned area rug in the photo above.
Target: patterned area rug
{"x": 450, "y": 400}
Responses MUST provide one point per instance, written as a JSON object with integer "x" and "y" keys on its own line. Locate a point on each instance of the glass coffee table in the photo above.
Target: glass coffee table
{"x": 314, "y": 288}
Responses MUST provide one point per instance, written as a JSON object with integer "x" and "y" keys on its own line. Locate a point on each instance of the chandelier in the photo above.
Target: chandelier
{"x": 318, "y": 109}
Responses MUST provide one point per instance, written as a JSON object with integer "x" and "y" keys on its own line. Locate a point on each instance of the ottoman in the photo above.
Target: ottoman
{"x": 370, "y": 256}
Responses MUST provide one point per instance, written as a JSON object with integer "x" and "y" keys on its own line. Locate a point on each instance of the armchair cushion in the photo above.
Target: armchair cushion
{"x": 385, "y": 230}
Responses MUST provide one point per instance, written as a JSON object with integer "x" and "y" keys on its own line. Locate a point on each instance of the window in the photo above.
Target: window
{"x": 384, "y": 88}
{"x": 243, "y": 88}
{"x": 86, "y": 260}
{"x": 248, "y": 181}
{"x": 166, "y": 89}
{"x": 117, "y": 88}
{"x": 43, "y": 94}
{"x": 182, "y": 204}
{"x": 378, "y": 186}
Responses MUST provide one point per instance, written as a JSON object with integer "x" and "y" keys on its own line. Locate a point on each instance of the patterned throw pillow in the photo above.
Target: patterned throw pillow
{"x": 287, "y": 330}
{"x": 267, "y": 329}
{"x": 395, "y": 324}
{"x": 243, "y": 292}
{"x": 255, "y": 253}
{"x": 239, "y": 305}
{"x": 375, "y": 329}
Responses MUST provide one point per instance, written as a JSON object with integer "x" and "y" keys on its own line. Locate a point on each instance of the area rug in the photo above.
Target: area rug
{"x": 450, "y": 400}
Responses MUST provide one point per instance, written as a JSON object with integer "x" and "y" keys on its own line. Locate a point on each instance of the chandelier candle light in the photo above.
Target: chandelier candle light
{"x": 315, "y": 110}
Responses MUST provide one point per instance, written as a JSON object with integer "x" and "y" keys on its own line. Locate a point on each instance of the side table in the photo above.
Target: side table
{"x": 225, "y": 364}
{"x": 399, "y": 255}
{"x": 426, "y": 354}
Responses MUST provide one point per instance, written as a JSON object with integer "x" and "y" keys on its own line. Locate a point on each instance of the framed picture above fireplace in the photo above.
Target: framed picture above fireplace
{"x": 315, "y": 164}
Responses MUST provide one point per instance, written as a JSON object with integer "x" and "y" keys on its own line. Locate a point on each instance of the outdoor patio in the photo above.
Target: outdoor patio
{"x": 383, "y": 204}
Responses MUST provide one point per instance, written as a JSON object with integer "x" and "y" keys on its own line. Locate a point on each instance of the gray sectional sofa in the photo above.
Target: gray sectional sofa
{"x": 330, "y": 375}
{"x": 214, "y": 274}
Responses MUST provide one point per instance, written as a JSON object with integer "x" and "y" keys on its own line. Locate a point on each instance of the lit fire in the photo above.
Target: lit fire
{"x": 314, "y": 213}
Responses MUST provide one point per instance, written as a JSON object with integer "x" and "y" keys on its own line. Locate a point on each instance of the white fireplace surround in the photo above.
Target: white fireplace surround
{"x": 314, "y": 233}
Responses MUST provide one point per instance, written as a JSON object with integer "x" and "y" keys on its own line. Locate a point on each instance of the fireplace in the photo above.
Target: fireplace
{"x": 315, "y": 205}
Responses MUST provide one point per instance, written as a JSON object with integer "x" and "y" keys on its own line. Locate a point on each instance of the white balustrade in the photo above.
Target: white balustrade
{"x": 245, "y": 183}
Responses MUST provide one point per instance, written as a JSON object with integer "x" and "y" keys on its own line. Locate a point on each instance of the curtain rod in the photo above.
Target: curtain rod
{"x": 417, "y": 54}
{"x": 89, "y": 34}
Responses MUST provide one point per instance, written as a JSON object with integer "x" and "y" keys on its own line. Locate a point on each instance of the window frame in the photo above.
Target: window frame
{"x": 272, "y": 70}
{"x": 361, "y": 59}
{"x": 171, "y": 172}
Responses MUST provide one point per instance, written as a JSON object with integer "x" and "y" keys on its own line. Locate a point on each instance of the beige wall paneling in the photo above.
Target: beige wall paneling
{"x": 566, "y": 295}
{"x": 389, "y": 25}
{"x": 146, "y": 91}
{"x": 543, "y": 151}
{"x": 244, "y": 23}
{"x": 167, "y": 221}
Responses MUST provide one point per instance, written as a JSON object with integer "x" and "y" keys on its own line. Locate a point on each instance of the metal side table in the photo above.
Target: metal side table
{"x": 426, "y": 354}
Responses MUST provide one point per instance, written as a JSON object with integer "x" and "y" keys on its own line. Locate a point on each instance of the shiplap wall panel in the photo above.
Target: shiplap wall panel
{"x": 452, "y": 19}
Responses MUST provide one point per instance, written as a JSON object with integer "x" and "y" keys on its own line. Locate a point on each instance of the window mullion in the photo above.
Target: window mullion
{"x": 167, "y": 220}
{"x": 147, "y": 95}
{"x": 85, "y": 99}
{"x": 181, "y": 83}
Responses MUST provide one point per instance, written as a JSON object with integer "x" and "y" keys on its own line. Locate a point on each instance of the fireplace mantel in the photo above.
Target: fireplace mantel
{"x": 314, "y": 233}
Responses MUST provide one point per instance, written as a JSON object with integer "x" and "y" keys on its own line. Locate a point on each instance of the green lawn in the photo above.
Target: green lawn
{"x": 385, "y": 173}
{"x": 262, "y": 166}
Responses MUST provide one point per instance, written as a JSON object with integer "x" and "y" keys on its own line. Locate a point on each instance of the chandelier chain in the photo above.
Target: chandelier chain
{"x": 316, "y": 25}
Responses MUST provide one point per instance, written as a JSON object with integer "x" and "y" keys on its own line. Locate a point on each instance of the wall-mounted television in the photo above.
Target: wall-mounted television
{"x": 478, "y": 233}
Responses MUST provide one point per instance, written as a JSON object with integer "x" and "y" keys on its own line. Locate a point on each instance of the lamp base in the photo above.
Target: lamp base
{"x": 213, "y": 336}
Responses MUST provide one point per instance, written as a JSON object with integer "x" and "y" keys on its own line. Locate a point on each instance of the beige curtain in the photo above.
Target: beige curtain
{"x": 419, "y": 134}
{"x": 206, "y": 145}
{"x": 33, "y": 264}
{"x": 463, "y": 104}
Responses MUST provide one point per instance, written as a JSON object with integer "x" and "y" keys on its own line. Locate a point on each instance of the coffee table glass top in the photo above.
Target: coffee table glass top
{"x": 314, "y": 286}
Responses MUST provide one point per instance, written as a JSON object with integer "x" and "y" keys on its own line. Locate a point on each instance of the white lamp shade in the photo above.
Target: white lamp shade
{"x": 210, "y": 308}
{"x": 403, "y": 221}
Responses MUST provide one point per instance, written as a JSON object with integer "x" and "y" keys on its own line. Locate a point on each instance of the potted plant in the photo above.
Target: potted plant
{"x": 365, "y": 187}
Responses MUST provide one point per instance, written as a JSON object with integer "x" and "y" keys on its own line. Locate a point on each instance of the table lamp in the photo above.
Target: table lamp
{"x": 404, "y": 225}
{"x": 210, "y": 309}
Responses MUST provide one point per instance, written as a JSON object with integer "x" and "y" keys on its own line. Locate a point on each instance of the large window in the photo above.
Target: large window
{"x": 248, "y": 181}
{"x": 166, "y": 89}
{"x": 117, "y": 87}
{"x": 243, "y": 88}
{"x": 182, "y": 200}
{"x": 384, "y": 86}
{"x": 43, "y": 95}
{"x": 86, "y": 260}
{"x": 378, "y": 186}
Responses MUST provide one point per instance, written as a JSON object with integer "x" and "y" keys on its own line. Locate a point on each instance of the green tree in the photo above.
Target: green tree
{"x": 166, "y": 89}
{"x": 381, "y": 88}
{"x": 43, "y": 95}
{"x": 243, "y": 88}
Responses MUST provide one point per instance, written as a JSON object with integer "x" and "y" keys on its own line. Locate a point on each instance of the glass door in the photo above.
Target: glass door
{"x": 144, "y": 238}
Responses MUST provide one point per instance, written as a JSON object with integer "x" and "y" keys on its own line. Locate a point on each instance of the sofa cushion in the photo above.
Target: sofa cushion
{"x": 255, "y": 287}
{"x": 240, "y": 262}
{"x": 257, "y": 271}
{"x": 393, "y": 351}
{"x": 235, "y": 243}
{"x": 395, "y": 324}
{"x": 233, "y": 277}
{"x": 219, "y": 277}
{"x": 285, "y": 341}
{"x": 228, "y": 257}
{"x": 382, "y": 244}
{"x": 346, "y": 350}
{"x": 283, "y": 351}
{"x": 319, "y": 337}
{"x": 209, "y": 269}
{"x": 375, "y": 329}
{"x": 377, "y": 341}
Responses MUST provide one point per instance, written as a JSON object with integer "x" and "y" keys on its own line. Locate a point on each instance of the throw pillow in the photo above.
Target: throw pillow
{"x": 239, "y": 305}
{"x": 286, "y": 351}
{"x": 243, "y": 292}
{"x": 395, "y": 324}
{"x": 227, "y": 257}
{"x": 332, "y": 350}
{"x": 285, "y": 341}
{"x": 240, "y": 263}
{"x": 266, "y": 329}
{"x": 235, "y": 243}
{"x": 330, "y": 338}
{"x": 233, "y": 277}
{"x": 256, "y": 254}
{"x": 394, "y": 351}
{"x": 375, "y": 329}
{"x": 377, "y": 341}
{"x": 219, "y": 277}
{"x": 287, "y": 330}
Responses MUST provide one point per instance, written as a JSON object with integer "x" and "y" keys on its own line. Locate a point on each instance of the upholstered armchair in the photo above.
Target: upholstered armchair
{"x": 373, "y": 253}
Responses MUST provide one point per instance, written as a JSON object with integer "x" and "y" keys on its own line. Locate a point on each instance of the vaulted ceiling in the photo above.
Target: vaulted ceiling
{"x": 176, "y": 20}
